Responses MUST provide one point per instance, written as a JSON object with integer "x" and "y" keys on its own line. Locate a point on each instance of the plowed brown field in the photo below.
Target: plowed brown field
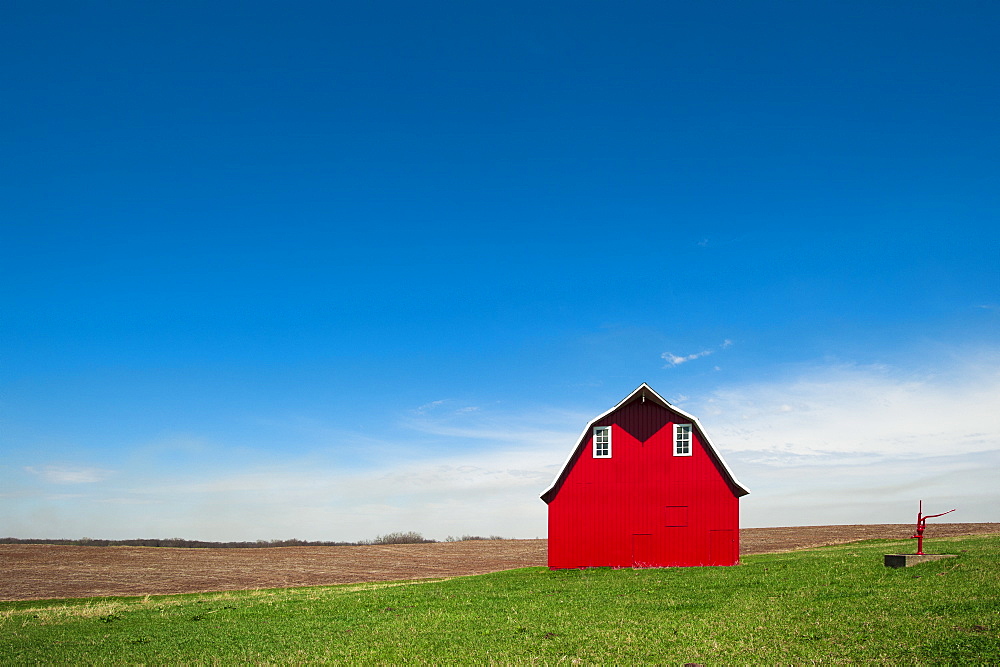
{"x": 36, "y": 571}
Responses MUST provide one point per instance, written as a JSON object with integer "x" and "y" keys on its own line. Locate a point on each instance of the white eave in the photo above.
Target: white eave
{"x": 647, "y": 393}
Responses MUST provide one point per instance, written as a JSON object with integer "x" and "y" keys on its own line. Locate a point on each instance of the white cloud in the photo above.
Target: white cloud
{"x": 482, "y": 491}
{"x": 862, "y": 444}
{"x": 852, "y": 490}
{"x": 864, "y": 410}
{"x": 449, "y": 472}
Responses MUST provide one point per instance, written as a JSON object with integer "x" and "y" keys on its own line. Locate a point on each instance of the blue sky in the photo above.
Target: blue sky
{"x": 331, "y": 270}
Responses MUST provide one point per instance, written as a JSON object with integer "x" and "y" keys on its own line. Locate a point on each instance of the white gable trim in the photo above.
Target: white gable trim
{"x": 648, "y": 394}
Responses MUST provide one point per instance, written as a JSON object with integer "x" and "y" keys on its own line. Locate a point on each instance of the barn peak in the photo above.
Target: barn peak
{"x": 644, "y": 393}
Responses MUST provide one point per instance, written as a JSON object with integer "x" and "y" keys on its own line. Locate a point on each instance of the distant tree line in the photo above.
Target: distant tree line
{"x": 180, "y": 543}
{"x": 176, "y": 542}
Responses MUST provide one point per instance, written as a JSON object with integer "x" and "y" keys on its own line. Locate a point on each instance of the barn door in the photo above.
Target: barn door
{"x": 642, "y": 550}
{"x": 722, "y": 547}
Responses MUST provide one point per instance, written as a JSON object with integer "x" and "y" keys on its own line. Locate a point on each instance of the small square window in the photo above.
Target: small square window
{"x": 682, "y": 439}
{"x": 602, "y": 442}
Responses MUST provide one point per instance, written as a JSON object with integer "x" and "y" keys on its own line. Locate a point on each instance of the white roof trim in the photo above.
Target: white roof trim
{"x": 649, "y": 393}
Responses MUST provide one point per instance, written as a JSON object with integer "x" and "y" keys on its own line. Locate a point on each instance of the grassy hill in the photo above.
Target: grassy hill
{"x": 834, "y": 604}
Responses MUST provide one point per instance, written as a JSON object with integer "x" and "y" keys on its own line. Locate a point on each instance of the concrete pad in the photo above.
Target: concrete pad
{"x": 906, "y": 560}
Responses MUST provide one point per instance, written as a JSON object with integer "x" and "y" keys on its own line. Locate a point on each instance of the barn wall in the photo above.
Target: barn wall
{"x": 643, "y": 506}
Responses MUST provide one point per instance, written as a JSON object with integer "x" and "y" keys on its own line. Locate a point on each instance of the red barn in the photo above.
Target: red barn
{"x": 644, "y": 487}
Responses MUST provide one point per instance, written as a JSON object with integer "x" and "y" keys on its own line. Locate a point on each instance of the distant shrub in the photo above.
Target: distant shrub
{"x": 409, "y": 537}
{"x": 466, "y": 538}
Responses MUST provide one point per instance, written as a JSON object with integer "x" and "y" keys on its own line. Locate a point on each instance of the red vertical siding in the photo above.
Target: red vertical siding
{"x": 611, "y": 511}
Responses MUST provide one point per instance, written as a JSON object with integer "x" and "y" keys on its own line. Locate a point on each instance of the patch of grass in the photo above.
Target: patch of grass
{"x": 836, "y": 604}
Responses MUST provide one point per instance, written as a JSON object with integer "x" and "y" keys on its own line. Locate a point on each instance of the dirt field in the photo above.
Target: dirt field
{"x": 31, "y": 571}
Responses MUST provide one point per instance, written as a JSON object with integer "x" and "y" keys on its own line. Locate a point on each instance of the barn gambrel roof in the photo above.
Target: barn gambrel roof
{"x": 644, "y": 391}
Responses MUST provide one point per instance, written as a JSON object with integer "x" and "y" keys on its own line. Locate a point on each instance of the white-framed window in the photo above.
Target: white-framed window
{"x": 602, "y": 442}
{"x": 682, "y": 439}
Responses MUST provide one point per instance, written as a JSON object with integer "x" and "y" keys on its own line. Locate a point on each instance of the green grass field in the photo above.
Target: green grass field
{"x": 830, "y": 605}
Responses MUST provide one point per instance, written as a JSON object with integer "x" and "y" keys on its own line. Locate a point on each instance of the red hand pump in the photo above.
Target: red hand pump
{"x": 921, "y": 524}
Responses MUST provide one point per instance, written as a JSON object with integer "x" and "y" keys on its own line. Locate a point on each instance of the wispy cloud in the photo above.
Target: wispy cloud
{"x": 427, "y": 407}
{"x": 510, "y": 434}
{"x": 678, "y": 359}
{"x": 444, "y": 407}
{"x": 55, "y": 474}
